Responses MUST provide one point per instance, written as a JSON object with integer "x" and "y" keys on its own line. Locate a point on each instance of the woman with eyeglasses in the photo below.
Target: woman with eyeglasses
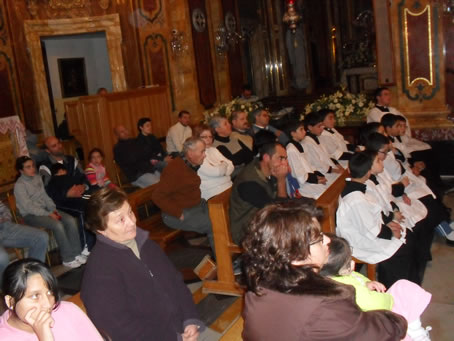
{"x": 216, "y": 169}
{"x": 287, "y": 298}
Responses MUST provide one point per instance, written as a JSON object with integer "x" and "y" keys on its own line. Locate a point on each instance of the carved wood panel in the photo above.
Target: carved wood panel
{"x": 202, "y": 52}
{"x": 234, "y": 55}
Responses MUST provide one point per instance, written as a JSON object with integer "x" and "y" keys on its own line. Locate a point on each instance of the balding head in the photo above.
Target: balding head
{"x": 54, "y": 146}
{"x": 121, "y": 132}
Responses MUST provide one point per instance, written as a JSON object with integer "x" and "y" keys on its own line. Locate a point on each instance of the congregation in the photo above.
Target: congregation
{"x": 388, "y": 213}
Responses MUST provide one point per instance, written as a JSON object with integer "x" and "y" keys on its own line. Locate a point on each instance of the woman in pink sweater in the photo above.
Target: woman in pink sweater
{"x": 34, "y": 308}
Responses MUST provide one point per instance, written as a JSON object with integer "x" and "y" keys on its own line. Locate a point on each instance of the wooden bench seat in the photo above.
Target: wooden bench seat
{"x": 152, "y": 223}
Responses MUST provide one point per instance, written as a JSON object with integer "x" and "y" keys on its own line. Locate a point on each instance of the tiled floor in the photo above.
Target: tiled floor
{"x": 439, "y": 281}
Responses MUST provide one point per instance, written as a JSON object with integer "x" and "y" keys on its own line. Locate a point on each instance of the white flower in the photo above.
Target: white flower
{"x": 338, "y": 105}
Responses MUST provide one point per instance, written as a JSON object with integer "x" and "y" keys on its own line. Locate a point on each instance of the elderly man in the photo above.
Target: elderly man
{"x": 260, "y": 119}
{"x": 55, "y": 154}
{"x": 178, "y": 133}
{"x": 133, "y": 161}
{"x": 232, "y": 148}
{"x": 178, "y": 194}
{"x": 240, "y": 127}
{"x": 259, "y": 183}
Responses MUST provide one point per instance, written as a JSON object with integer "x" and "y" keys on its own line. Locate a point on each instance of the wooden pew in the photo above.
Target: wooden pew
{"x": 225, "y": 284}
{"x": 218, "y": 207}
{"x": 153, "y": 223}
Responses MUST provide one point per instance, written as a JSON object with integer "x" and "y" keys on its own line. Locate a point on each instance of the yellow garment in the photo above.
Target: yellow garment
{"x": 365, "y": 298}
{"x": 132, "y": 244}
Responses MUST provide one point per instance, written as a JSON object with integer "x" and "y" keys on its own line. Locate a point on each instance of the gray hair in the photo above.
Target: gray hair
{"x": 253, "y": 114}
{"x": 215, "y": 121}
{"x": 191, "y": 143}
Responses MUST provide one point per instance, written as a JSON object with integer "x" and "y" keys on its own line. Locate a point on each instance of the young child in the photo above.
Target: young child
{"x": 333, "y": 141}
{"x": 403, "y": 297}
{"x": 96, "y": 172}
{"x": 317, "y": 155}
{"x": 312, "y": 183}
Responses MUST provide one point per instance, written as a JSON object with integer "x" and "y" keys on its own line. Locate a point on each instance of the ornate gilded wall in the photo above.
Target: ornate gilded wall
{"x": 419, "y": 59}
{"x": 9, "y": 91}
{"x": 146, "y": 27}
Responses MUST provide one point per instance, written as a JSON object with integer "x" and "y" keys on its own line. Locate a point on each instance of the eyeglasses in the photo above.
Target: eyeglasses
{"x": 282, "y": 158}
{"x": 206, "y": 136}
{"x": 318, "y": 240}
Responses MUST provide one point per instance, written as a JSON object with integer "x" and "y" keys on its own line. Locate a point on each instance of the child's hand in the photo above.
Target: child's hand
{"x": 377, "y": 286}
{"x": 406, "y": 199}
{"x": 321, "y": 180}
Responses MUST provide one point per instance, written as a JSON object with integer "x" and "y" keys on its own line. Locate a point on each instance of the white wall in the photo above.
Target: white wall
{"x": 93, "y": 48}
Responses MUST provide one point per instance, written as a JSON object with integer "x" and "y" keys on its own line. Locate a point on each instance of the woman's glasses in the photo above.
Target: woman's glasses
{"x": 318, "y": 240}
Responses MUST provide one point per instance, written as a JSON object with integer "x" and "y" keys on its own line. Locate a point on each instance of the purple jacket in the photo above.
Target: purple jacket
{"x": 136, "y": 299}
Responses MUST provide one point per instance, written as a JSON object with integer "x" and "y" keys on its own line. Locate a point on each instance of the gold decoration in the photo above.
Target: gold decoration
{"x": 66, "y": 4}
{"x": 32, "y": 7}
{"x": 104, "y": 4}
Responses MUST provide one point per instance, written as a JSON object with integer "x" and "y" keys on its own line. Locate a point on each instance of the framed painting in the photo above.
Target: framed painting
{"x": 73, "y": 77}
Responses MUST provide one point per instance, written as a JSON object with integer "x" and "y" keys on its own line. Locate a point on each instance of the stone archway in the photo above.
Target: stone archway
{"x": 35, "y": 29}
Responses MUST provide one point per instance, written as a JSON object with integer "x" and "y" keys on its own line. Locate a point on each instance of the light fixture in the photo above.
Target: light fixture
{"x": 178, "y": 43}
{"x": 291, "y": 17}
{"x": 227, "y": 37}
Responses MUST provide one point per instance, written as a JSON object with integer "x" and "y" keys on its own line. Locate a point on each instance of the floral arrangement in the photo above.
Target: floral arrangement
{"x": 226, "y": 109}
{"x": 346, "y": 106}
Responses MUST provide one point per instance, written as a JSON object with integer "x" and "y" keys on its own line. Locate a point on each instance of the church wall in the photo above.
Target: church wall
{"x": 146, "y": 27}
{"x": 419, "y": 62}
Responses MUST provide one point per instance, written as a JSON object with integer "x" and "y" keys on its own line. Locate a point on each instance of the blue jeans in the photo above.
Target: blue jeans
{"x": 21, "y": 236}
{"x": 65, "y": 232}
{"x": 195, "y": 219}
{"x": 147, "y": 179}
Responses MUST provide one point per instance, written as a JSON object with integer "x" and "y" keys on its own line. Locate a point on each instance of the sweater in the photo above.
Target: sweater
{"x": 176, "y": 136}
{"x": 178, "y": 188}
{"x": 214, "y": 173}
{"x": 133, "y": 161}
{"x": 71, "y": 324}
{"x": 233, "y": 149}
{"x": 31, "y": 197}
{"x": 136, "y": 299}
{"x": 251, "y": 191}
{"x": 97, "y": 176}
{"x": 291, "y": 317}
{"x": 365, "y": 298}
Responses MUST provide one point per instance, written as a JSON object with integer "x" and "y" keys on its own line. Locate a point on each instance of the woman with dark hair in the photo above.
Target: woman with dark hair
{"x": 288, "y": 299}
{"x": 38, "y": 210}
{"x": 130, "y": 288}
{"x": 35, "y": 311}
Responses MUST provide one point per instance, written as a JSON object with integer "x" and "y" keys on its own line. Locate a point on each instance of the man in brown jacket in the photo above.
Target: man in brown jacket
{"x": 178, "y": 193}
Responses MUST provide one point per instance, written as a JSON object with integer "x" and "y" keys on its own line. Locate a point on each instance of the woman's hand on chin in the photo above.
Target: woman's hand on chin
{"x": 41, "y": 322}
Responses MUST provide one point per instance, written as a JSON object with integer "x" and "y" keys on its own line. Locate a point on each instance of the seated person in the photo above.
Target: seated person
{"x": 39, "y": 210}
{"x": 133, "y": 161}
{"x": 178, "y": 193}
{"x": 403, "y": 297}
{"x": 150, "y": 145}
{"x": 261, "y": 182}
{"x": 246, "y": 94}
{"x": 312, "y": 183}
{"x": 130, "y": 288}
{"x": 232, "y": 148}
{"x": 178, "y": 133}
{"x": 58, "y": 188}
{"x": 375, "y": 237}
{"x": 260, "y": 119}
{"x": 240, "y": 128}
{"x": 317, "y": 155}
{"x": 332, "y": 140}
{"x": 55, "y": 151}
{"x": 383, "y": 100}
{"x": 35, "y": 311}
{"x": 216, "y": 169}
{"x": 96, "y": 172}
{"x": 394, "y": 128}
{"x": 19, "y": 236}
{"x": 287, "y": 298}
